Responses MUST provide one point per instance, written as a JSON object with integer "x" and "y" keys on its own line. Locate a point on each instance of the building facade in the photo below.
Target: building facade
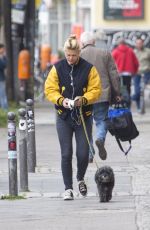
{"x": 106, "y": 17}
{"x": 62, "y": 18}
{"x": 116, "y": 18}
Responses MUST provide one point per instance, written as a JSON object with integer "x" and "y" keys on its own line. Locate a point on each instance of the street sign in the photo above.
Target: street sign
{"x": 18, "y": 13}
{"x": 123, "y": 9}
{"x": 17, "y": 16}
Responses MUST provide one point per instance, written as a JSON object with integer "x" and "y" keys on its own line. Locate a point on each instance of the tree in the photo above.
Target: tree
{"x": 6, "y": 18}
{"x": 16, "y": 37}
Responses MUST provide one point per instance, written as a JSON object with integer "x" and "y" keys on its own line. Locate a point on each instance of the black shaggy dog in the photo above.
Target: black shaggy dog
{"x": 105, "y": 180}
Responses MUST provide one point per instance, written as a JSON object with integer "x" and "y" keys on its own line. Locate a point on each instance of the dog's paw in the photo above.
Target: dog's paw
{"x": 104, "y": 198}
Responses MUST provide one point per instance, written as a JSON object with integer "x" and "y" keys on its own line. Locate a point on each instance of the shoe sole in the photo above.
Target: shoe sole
{"x": 69, "y": 199}
{"x": 83, "y": 195}
{"x": 103, "y": 154}
{"x": 69, "y": 196}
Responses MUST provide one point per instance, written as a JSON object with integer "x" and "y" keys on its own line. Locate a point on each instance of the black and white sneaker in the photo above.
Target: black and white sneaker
{"x": 82, "y": 188}
{"x": 68, "y": 194}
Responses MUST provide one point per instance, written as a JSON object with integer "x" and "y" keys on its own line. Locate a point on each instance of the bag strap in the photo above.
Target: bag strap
{"x": 120, "y": 146}
{"x": 120, "y": 104}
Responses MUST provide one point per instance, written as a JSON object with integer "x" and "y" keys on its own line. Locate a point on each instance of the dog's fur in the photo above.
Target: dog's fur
{"x": 105, "y": 180}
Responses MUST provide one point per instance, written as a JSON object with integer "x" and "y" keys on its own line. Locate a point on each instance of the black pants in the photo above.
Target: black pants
{"x": 65, "y": 130}
{"x": 126, "y": 92}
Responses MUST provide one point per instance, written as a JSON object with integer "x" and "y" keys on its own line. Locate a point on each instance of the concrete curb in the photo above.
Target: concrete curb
{"x": 58, "y": 195}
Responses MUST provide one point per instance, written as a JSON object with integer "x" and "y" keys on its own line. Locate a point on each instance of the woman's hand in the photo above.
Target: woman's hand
{"x": 65, "y": 103}
{"x": 118, "y": 98}
{"x": 79, "y": 101}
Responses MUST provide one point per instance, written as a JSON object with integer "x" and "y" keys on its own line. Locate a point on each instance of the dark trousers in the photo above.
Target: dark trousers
{"x": 136, "y": 96}
{"x": 66, "y": 129}
{"x": 127, "y": 82}
{"x": 126, "y": 92}
{"x": 137, "y": 87}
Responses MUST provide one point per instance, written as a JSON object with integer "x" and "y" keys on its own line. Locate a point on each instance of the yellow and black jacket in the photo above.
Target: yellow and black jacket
{"x": 70, "y": 81}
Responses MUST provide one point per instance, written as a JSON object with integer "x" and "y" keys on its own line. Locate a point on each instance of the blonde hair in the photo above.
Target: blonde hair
{"x": 72, "y": 43}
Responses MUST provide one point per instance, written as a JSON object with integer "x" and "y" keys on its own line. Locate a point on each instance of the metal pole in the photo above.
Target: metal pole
{"x": 12, "y": 155}
{"x": 22, "y": 90}
{"x": 23, "y": 151}
{"x": 31, "y": 147}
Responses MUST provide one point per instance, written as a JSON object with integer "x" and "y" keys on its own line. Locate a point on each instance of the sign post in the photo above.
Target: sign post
{"x": 12, "y": 155}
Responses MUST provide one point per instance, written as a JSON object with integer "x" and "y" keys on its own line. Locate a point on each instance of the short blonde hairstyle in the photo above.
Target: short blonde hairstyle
{"x": 72, "y": 43}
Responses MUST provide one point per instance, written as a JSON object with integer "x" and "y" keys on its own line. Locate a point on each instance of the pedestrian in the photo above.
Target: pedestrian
{"x": 127, "y": 65}
{"x": 3, "y": 64}
{"x": 106, "y": 68}
{"x": 143, "y": 56}
{"x": 73, "y": 82}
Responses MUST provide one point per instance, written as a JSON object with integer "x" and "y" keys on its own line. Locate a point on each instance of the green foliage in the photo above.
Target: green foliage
{"x": 61, "y": 54}
{"x": 11, "y": 197}
{"x": 13, "y": 107}
{"x": 3, "y": 118}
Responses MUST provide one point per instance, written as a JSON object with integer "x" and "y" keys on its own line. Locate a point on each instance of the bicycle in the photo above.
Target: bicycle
{"x": 39, "y": 80}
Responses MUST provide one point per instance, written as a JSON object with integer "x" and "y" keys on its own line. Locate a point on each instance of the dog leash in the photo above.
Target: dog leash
{"x": 86, "y": 134}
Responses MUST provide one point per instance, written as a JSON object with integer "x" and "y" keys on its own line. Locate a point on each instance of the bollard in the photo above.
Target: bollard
{"x": 12, "y": 155}
{"x": 23, "y": 151}
{"x": 31, "y": 147}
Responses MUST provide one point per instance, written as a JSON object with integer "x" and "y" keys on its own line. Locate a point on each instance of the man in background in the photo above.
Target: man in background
{"x": 106, "y": 68}
{"x": 143, "y": 55}
{"x": 3, "y": 63}
{"x": 127, "y": 65}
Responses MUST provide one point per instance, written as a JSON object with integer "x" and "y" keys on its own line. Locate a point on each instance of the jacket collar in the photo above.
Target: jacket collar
{"x": 87, "y": 45}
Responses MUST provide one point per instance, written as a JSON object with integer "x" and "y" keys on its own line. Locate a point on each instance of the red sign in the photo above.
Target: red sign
{"x": 12, "y": 145}
{"x": 120, "y": 9}
{"x": 77, "y": 29}
{"x": 136, "y": 11}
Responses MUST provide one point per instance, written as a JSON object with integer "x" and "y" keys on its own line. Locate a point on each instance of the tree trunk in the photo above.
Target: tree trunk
{"x": 6, "y": 11}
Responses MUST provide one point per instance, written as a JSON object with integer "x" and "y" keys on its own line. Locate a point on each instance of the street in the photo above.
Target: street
{"x": 44, "y": 207}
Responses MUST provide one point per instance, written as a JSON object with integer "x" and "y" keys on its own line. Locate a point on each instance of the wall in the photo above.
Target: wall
{"x": 98, "y": 20}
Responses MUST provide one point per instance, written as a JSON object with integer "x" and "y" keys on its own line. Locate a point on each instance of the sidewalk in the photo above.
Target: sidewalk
{"x": 44, "y": 208}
